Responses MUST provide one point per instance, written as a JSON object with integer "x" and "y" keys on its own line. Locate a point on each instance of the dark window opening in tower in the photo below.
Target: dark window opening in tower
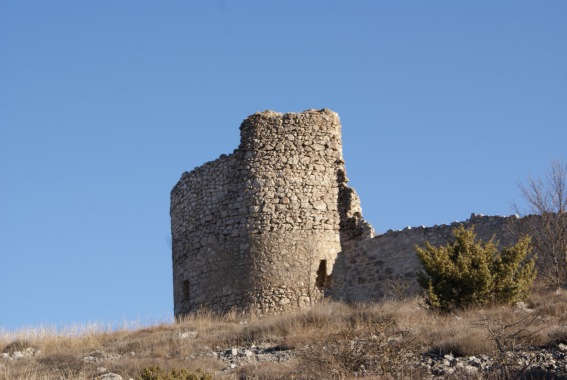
{"x": 186, "y": 290}
{"x": 321, "y": 274}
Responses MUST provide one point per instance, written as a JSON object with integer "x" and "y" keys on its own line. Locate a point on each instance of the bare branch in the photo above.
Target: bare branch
{"x": 546, "y": 197}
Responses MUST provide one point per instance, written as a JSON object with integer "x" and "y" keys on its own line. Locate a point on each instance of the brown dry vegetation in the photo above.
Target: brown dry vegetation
{"x": 331, "y": 340}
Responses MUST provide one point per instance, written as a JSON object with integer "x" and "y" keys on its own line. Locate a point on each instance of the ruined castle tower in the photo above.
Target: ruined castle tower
{"x": 259, "y": 229}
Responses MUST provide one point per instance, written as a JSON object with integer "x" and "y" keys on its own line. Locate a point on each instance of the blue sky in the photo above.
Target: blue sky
{"x": 445, "y": 105}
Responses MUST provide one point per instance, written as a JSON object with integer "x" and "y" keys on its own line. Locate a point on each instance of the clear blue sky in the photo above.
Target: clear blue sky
{"x": 445, "y": 105}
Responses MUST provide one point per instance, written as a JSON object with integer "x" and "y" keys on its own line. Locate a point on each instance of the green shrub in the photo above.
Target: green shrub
{"x": 157, "y": 373}
{"x": 471, "y": 273}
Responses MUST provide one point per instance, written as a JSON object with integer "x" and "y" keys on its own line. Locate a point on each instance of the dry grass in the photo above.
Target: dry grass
{"x": 331, "y": 340}
{"x": 266, "y": 371}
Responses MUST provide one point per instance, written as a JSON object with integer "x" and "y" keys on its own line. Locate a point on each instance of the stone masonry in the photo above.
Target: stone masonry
{"x": 386, "y": 266}
{"x": 274, "y": 227}
{"x": 258, "y": 230}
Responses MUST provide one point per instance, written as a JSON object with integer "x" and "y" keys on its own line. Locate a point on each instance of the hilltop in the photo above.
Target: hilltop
{"x": 398, "y": 338}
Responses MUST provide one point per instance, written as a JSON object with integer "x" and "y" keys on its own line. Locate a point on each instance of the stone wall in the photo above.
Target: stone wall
{"x": 262, "y": 229}
{"x": 385, "y": 266}
{"x": 259, "y": 230}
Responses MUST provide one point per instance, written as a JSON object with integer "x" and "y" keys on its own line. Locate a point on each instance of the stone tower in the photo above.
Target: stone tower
{"x": 259, "y": 230}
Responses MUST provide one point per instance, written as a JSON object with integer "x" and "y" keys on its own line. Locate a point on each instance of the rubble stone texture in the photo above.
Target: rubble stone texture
{"x": 274, "y": 226}
{"x": 386, "y": 265}
{"x": 259, "y": 230}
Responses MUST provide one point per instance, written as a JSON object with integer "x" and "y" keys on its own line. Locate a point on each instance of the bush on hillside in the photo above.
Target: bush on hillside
{"x": 467, "y": 272}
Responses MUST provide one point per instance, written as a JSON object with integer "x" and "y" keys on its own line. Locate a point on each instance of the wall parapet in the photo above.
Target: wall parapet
{"x": 377, "y": 268}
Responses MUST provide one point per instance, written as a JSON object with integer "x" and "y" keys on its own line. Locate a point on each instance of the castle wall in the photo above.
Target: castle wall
{"x": 258, "y": 230}
{"x": 386, "y": 265}
{"x": 261, "y": 229}
{"x": 209, "y": 208}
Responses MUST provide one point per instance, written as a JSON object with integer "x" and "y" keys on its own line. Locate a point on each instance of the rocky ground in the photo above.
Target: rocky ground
{"x": 536, "y": 363}
{"x": 549, "y": 363}
{"x": 391, "y": 340}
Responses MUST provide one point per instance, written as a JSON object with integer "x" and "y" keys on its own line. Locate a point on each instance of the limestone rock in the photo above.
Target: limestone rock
{"x": 110, "y": 376}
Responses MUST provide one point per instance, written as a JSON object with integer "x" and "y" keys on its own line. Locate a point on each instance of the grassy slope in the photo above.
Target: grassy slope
{"x": 330, "y": 340}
